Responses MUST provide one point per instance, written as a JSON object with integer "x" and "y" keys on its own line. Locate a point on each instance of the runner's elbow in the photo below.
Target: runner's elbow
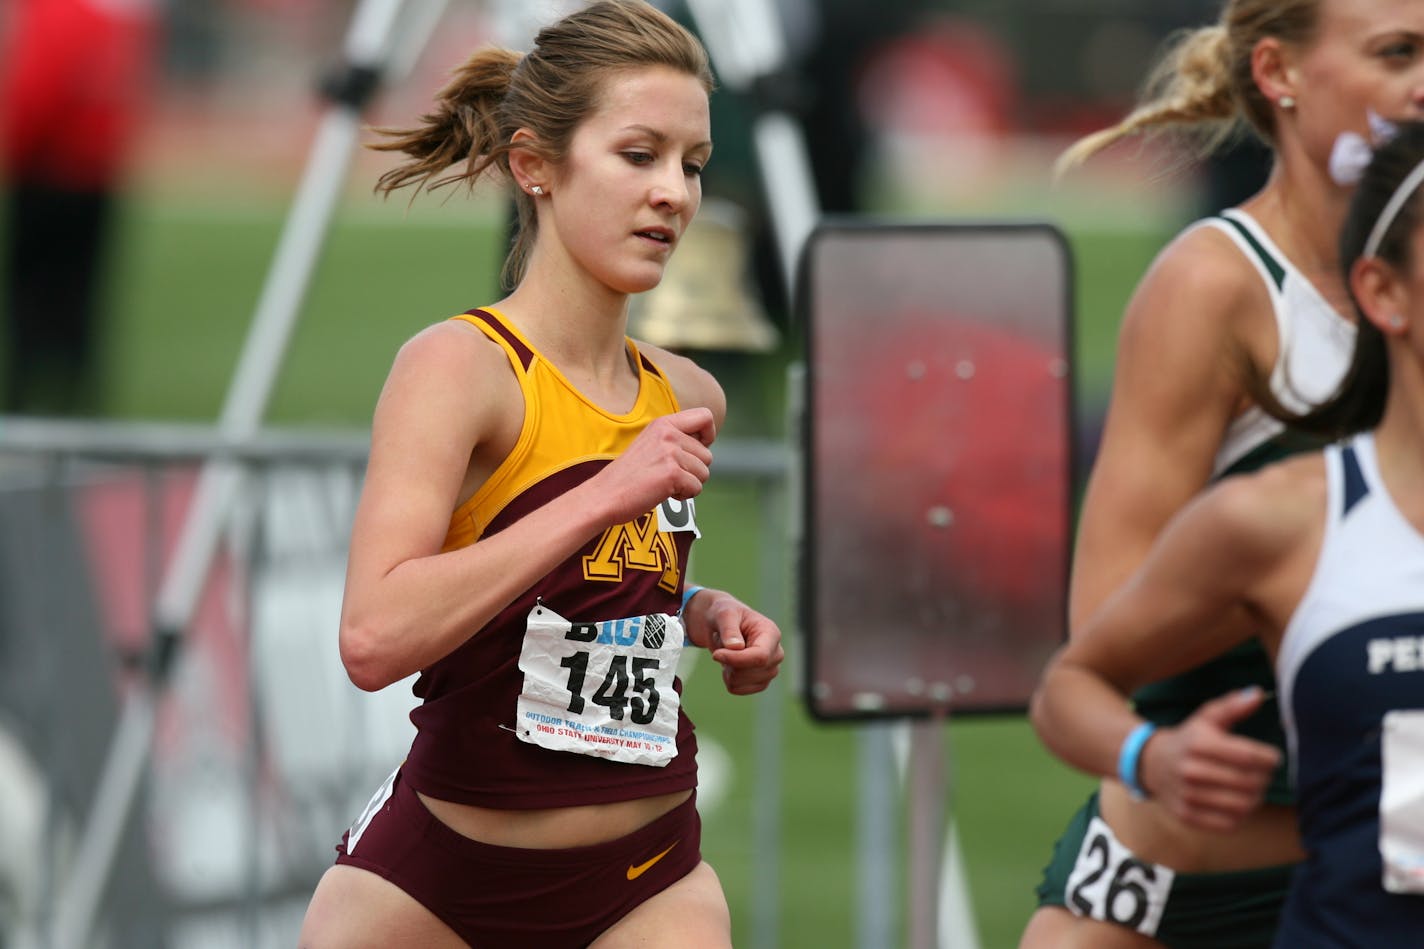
{"x": 1035, "y": 711}
{"x": 1040, "y": 716}
{"x": 367, "y": 665}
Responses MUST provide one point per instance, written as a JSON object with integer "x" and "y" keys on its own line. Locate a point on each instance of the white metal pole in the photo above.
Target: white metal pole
{"x": 790, "y": 190}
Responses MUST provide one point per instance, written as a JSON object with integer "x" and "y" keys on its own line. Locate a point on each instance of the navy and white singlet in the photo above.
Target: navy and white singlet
{"x": 1352, "y": 653}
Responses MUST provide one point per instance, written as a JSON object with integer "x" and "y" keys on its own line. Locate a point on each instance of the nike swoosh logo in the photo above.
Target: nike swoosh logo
{"x": 636, "y": 871}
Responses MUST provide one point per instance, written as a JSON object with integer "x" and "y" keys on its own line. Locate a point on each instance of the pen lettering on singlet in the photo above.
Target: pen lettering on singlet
{"x": 637, "y": 870}
{"x": 1396, "y": 654}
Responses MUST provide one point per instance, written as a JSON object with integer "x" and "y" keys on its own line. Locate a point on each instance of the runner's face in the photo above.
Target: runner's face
{"x": 1368, "y": 55}
{"x": 632, "y": 180}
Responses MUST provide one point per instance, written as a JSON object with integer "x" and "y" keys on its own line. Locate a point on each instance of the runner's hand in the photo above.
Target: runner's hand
{"x": 669, "y": 459}
{"x": 746, "y": 643}
{"x": 1204, "y": 774}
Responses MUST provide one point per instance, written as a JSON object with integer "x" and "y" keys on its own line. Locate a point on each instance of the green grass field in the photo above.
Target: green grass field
{"x": 184, "y": 288}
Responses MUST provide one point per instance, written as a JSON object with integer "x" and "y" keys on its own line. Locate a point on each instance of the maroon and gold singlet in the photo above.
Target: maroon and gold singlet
{"x": 567, "y": 696}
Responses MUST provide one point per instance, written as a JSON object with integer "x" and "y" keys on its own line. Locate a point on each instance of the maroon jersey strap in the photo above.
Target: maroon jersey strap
{"x": 526, "y": 356}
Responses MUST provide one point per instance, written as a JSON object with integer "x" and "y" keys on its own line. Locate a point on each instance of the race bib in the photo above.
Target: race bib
{"x": 1109, "y": 884}
{"x": 601, "y": 689}
{"x": 1402, "y": 801}
{"x": 675, "y": 515}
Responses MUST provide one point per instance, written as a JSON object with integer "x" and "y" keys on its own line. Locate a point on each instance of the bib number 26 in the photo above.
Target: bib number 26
{"x": 1109, "y": 884}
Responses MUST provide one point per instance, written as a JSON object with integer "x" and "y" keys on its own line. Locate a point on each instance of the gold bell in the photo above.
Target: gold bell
{"x": 705, "y": 300}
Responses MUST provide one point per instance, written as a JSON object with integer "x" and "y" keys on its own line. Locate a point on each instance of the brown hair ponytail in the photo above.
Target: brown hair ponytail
{"x": 549, "y": 92}
{"x": 1203, "y": 85}
{"x": 464, "y": 127}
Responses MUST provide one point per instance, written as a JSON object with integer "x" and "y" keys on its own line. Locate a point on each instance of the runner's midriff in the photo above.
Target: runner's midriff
{"x": 556, "y": 827}
{"x": 1269, "y": 836}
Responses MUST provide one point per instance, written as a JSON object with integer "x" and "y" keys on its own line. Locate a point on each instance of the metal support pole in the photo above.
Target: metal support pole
{"x": 875, "y": 838}
{"x": 926, "y": 829}
{"x": 766, "y": 817}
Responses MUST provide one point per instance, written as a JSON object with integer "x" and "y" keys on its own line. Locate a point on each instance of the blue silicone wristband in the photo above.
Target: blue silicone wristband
{"x": 687, "y": 594}
{"x": 1128, "y": 758}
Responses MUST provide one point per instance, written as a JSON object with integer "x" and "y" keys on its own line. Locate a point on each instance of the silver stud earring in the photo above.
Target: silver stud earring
{"x": 1286, "y": 102}
{"x": 1396, "y": 321}
{"x": 536, "y": 189}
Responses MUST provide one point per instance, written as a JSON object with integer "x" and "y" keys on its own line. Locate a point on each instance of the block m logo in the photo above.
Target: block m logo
{"x": 636, "y": 545}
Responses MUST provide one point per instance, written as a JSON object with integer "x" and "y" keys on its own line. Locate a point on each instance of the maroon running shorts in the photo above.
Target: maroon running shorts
{"x": 508, "y": 896}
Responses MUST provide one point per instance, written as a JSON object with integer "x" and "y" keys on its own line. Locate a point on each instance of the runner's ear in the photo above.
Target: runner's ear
{"x": 1273, "y": 69}
{"x": 1378, "y": 290}
{"x": 525, "y": 163}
